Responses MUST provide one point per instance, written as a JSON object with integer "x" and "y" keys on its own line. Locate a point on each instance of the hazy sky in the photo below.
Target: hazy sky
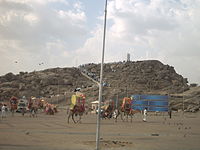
{"x": 65, "y": 33}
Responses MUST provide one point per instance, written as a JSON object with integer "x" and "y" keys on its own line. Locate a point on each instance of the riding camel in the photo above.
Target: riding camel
{"x": 33, "y": 107}
{"x": 125, "y": 111}
{"x": 13, "y": 104}
{"x": 107, "y": 110}
{"x": 77, "y": 107}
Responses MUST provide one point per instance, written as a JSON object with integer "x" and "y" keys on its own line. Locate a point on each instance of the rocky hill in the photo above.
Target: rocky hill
{"x": 189, "y": 100}
{"x": 141, "y": 77}
{"x": 46, "y": 83}
{"x": 120, "y": 79}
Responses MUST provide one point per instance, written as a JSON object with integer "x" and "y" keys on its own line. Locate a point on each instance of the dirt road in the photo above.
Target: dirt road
{"x": 54, "y": 133}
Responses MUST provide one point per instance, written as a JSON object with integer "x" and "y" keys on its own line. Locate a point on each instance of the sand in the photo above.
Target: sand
{"x": 46, "y": 132}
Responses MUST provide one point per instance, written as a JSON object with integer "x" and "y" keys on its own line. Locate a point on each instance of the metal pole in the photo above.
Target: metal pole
{"x": 117, "y": 96}
{"x": 100, "y": 85}
{"x": 126, "y": 91}
{"x": 58, "y": 93}
{"x": 58, "y": 89}
{"x": 183, "y": 100}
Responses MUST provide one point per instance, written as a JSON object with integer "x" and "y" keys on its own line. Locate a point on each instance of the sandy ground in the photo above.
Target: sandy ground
{"x": 45, "y": 132}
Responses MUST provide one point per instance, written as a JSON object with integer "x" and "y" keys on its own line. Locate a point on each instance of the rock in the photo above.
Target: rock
{"x": 192, "y": 108}
{"x": 154, "y": 134}
{"x": 21, "y": 86}
{"x": 27, "y": 132}
{"x": 10, "y": 76}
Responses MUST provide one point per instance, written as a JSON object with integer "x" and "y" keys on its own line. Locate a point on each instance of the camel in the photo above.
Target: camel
{"x": 33, "y": 107}
{"x": 77, "y": 107}
{"x": 124, "y": 114}
{"x": 107, "y": 111}
{"x": 13, "y": 104}
{"x": 77, "y": 111}
{"x": 125, "y": 111}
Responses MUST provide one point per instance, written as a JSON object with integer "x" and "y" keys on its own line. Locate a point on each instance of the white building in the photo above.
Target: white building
{"x": 128, "y": 57}
{"x": 94, "y": 106}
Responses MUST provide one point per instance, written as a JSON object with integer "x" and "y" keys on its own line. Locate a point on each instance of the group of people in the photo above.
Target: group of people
{"x": 31, "y": 105}
{"x": 50, "y": 109}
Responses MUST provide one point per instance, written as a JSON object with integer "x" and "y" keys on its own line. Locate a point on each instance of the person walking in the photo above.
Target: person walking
{"x": 3, "y": 111}
{"x": 145, "y": 115}
{"x": 170, "y": 113}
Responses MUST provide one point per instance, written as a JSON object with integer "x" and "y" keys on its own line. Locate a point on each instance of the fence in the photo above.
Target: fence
{"x": 151, "y": 102}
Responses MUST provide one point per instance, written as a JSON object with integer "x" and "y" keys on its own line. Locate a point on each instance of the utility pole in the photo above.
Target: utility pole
{"x": 126, "y": 91}
{"x": 183, "y": 100}
{"x": 117, "y": 100}
{"x": 58, "y": 91}
{"x": 100, "y": 85}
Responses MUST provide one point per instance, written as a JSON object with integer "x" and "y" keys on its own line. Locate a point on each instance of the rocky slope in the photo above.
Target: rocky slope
{"x": 120, "y": 79}
{"x": 141, "y": 77}
{"x": 45, "y": 83}
{"x": 189, "y": 100}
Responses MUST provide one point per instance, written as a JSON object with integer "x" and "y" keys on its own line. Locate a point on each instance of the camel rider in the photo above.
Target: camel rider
{"x": 75, "y": 97}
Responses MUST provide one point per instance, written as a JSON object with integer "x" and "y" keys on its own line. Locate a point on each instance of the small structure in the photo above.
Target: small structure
{"x": 94, "y": 106}
{"x": 128, "y": 57}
